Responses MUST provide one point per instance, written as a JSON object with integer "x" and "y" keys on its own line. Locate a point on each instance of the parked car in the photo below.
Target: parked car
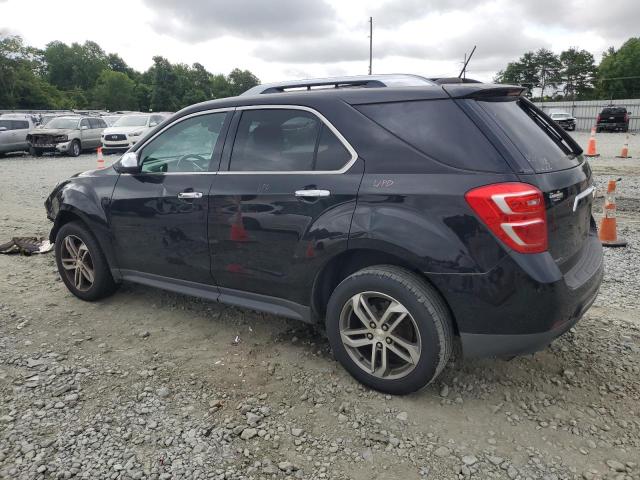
{"x": 68, "y": 134}
{"x": 407, "y": 217}
{"x": 110, "y": 119}
{"x": 127, "y": 130}
{"x": 613, "y": 118}
{"x": 13, "y": 132}
{"x": 564, "y": 119}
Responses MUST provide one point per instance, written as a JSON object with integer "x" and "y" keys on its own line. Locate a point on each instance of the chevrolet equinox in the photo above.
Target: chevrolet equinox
{"x": 405, "y": 214}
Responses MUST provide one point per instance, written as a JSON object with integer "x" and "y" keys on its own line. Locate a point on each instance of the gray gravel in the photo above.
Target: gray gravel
{"x": 148, "y": 384}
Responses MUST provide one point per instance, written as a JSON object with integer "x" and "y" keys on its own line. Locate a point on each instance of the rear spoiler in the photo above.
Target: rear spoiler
{"x": 483, "y": 90}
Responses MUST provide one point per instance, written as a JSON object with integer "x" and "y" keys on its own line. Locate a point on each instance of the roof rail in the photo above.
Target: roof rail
{"x": 362, "y": 81}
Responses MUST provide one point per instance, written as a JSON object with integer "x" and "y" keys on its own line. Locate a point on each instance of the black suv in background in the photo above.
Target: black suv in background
{"x": 613, "y": 118}
{"x": 404, "y": 214}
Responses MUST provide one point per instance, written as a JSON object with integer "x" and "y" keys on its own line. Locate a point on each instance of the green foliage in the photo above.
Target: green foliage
{"x": 578, "y": 70}
{"x": 541, "y": 69}
{"x": 619, "y": 71}
{"x": 114, "y": 91}
{"x": 83, "y": 76}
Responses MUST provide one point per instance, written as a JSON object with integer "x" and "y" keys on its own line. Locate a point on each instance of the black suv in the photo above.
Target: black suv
{"x": 404, "y": 214}
{"x": 613, "y": 118}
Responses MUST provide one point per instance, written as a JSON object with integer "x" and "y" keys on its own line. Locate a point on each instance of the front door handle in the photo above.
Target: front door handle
{"x": 189, "y": 195}
{"x": 312, "y": 193}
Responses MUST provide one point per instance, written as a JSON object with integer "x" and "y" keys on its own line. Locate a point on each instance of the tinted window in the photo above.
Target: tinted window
{"x": 280, "y": 140}
{"x": 6, "y": 124}
{"x": 96, "y": 123}
{"x": 85, "y": 123}
{"x": 332, "y": 154}
{"x": 540, "y": 142}
{"x": 185, "y": 147}
{"x": 20, "y": 124}
{"x": 439, "y": 129}
{"x": 614, "y": 111}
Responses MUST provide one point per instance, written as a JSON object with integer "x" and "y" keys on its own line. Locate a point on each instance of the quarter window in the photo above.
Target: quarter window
{"x": 281, "y": 140}
{"x": 185, "y": 147}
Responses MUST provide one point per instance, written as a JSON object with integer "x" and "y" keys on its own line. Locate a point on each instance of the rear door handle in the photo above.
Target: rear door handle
{"x": 189, "y": 195}
{"x": 312, "y": 193}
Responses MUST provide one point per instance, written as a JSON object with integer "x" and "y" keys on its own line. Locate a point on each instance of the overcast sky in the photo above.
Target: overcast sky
{"x": 283, "y": 39}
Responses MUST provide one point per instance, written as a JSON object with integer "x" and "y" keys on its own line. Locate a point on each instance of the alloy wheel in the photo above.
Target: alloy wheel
{"x": 380, "y": 335}
{"x": 77, "y": 263}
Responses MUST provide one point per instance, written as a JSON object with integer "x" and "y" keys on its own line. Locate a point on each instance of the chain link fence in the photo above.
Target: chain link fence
{"x": 586, "y": 112}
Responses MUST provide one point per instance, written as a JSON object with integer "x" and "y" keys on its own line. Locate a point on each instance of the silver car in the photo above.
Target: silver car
{"x": 68, "y": 134}
{"x": 13, "y": 132}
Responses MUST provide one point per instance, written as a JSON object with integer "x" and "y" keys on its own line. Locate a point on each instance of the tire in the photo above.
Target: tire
{"x": 427, "y": 316}
{"x": 74, "y": 148}
{"x": 103, "y": 284}
{"x": 35, "y": 152}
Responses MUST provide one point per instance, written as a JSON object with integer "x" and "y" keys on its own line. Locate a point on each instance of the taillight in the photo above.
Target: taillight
{"x": 514, "y": 212}
{"x": 598, "y": 119}
{"x": 626, "y": 117}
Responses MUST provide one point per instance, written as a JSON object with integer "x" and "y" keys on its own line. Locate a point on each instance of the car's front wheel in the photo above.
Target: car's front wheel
{"x": 389, "y": 329}
{"x": 74, "y": 148}
{"x": 82, "y": 264}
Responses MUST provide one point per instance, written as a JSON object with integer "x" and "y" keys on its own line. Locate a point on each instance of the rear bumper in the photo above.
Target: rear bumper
{"x": 612, "y": 126}
{"x": 523, "y": 303}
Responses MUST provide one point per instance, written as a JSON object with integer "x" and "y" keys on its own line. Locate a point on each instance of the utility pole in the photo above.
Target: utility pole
{"x": 464, "y": 70}
{"x": 466, "y": 62}
{"x": 370, "y": 44}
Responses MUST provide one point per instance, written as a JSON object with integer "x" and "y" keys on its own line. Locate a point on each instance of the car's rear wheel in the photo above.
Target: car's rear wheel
{"x": 82, "y": 264}
{"x": 389, "y": 329}
{"x": 74, "y": 148}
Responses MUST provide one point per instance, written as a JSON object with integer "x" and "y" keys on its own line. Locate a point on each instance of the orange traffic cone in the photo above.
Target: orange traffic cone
{"x": 624, "y": 153}
{"x": 100, "y": 158}
{"x": 238, "y": 232}
{"x": 608, "y": 229}
{"x": 591, "y": 146}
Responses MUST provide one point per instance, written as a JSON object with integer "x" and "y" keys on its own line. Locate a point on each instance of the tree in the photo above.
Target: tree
{"x": 75, "y": 66}
{"x": 539, "y": 69}
{"x": 114, "y": 91}
{"x": 578, "y": 70}
{"x": 164, "y": 86}
{"x": 20, "y": 83}
{"x": 241, "y": 80}
{"x": 549, "y": 69}
{"x": 619, "y": 71}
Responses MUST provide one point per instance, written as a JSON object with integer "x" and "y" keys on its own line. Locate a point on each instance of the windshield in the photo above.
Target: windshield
{"x": 110, "y": 120}
{"x": 559, "y": 115}
{"x": 64, "y": 123}
{"x": 132, "y": 121}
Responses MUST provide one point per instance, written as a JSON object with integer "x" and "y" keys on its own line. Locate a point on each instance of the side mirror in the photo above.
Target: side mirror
{"x": 153, "y": 124}
{"x": 128, "y": 163}
{"x": 84, "y": 127}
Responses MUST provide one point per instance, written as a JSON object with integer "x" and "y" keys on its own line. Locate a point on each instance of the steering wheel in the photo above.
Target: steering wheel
{"x": 193, "y": 159}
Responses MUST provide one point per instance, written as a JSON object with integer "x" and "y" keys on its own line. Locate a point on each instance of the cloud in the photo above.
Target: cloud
{"x": 337, "y": 48}
{"x": 397, "y": 12}
{"x": 200, "y": 20}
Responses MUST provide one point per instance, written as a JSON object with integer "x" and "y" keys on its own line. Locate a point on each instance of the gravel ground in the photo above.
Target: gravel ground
{"x": 148, "y": 384}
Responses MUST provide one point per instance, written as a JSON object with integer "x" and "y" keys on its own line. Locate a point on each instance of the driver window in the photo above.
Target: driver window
{"x": 185, "y": 147}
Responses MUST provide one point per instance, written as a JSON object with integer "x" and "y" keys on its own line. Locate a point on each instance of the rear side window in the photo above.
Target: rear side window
{"x": 6, "y": 124}
{"x": 282, "y": 140}
{"x": 541, "y": 142}
{"x": 20, "y": 124}
{"x": 440, "y": 130}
